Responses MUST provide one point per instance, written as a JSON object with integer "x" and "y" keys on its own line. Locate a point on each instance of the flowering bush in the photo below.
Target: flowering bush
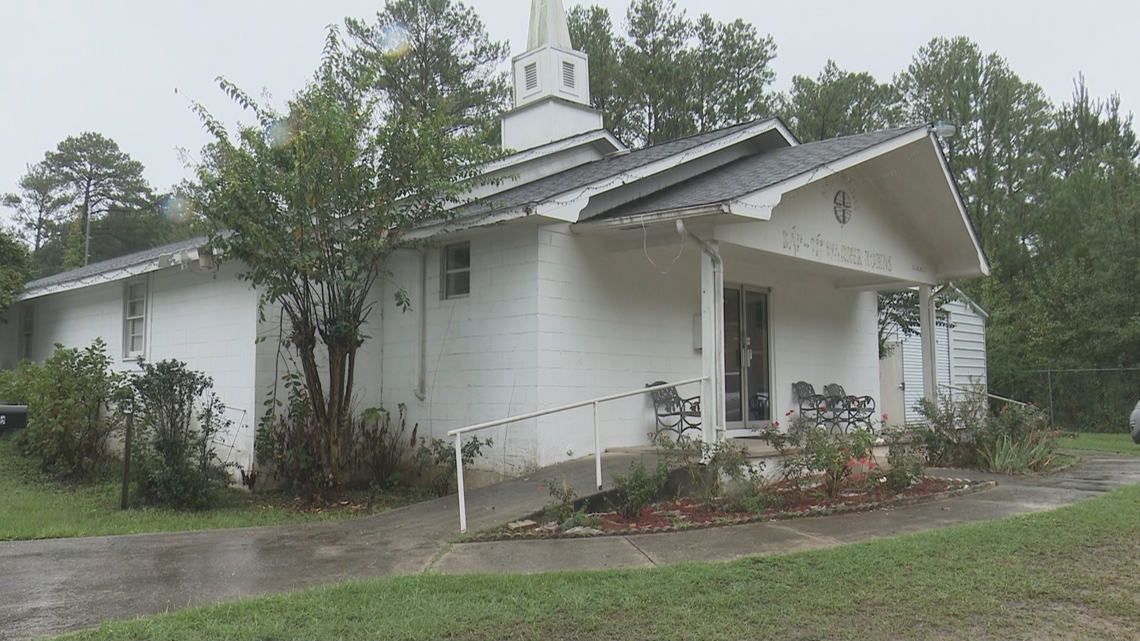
{"x": 809, "y": 450}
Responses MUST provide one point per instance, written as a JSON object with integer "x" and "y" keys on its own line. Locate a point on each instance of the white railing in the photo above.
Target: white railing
{"x": 458, "y": 434}
{"x": 988, "y": 395}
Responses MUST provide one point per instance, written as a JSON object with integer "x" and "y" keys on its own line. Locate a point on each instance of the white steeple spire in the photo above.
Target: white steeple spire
{"x": 548, "y": 26}
{"x": 552, "y": 84}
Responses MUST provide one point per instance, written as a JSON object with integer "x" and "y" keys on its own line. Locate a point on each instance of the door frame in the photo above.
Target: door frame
{"x": 744, "y": 427}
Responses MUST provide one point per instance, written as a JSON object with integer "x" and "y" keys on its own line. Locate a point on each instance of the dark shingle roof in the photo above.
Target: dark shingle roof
{"x": 576, "y": 177}
{"x": 753, "y": 173}
{"x": 113, "y": 264}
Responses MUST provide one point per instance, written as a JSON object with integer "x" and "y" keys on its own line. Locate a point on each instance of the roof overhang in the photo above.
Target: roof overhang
{"x": 568, "y": 206}
{"x": 922, "y": 191}
{"x": 182, "y": 258}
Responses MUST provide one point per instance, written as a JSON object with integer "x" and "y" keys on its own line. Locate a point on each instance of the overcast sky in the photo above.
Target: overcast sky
{"x": 112, "y": 66}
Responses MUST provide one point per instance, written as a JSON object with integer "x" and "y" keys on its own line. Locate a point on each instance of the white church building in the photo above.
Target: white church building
{"x": 738, "y": 255}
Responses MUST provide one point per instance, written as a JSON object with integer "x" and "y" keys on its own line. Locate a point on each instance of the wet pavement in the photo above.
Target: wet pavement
{"x": 53, "y": 586}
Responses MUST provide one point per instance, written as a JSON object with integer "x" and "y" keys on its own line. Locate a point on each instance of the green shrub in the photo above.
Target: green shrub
{"x": 712, "y": 468}
{"x": 953, "y": 430}
{"x": 16, "y": 384}
{"x": 436, "y": 459}
{"x": 639, "y": 488}
{"x": 564, "y": 508}
{"x": 378, "y": 447}
{"x": 905, "y": 457}
{"x": 179, "y": 417}
{"x": 1012, "y": 439}
{"x": 808, "y": 450}
{"x": 69, "y": 418}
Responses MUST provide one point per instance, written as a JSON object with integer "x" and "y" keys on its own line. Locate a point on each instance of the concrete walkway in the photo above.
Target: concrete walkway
{"x": 48, "y": 587}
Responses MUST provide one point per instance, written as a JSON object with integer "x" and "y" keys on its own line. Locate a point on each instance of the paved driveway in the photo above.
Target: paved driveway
{"x": 48, "y": 587}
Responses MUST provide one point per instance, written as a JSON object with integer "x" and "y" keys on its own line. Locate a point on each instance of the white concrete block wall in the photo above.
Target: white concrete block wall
{"x": 205, "y": 319}
{"x": 480, "y": 349}
{"x": 820, "y": 334}
{"x": 208, "y": 320}
{"x": 610, "y": 322}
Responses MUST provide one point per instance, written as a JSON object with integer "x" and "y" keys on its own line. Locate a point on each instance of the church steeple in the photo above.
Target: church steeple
{"x": 551, "y": 82}
{"x": 548, "y": 26}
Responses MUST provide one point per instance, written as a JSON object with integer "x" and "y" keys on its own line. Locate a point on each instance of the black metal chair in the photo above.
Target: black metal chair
{"x": 852, "y": 411}
{"x": 812, "y": 406}
{"x": 675, "y": 414}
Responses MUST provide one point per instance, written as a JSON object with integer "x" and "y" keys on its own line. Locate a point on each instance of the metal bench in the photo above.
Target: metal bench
{"x": 813, "y": 407}
{"x": 853, "y": 411}
{"x": 675, "y": 414}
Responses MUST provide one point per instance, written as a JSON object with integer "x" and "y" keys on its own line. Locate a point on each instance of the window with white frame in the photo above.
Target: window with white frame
{"x": 134, "y": 319}
{"x": 27, "y": 322}
{"x": 456, "y": 270}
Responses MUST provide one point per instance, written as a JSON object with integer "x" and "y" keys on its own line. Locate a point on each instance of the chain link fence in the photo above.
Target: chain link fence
{"x": 1082, "y": 400}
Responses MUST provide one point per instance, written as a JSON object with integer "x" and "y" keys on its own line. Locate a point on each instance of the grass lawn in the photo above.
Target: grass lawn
{"x": 1118, "y": 443}
{"x": 1067, "y": 574}
{"x": 35, "y": 507}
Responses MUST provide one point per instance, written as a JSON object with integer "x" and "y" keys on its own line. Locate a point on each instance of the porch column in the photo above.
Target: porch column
{"x": 712, "y": 345}
{"x": 929, "y": 344}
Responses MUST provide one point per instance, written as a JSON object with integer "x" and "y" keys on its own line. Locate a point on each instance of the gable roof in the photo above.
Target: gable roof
{"x": 753, "y": 173}
{"x": 109, "y": 269}
{"x": 613, "y": 167}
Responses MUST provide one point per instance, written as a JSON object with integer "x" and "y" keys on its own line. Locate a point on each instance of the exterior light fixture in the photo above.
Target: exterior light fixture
{"x": 944, "y": 131}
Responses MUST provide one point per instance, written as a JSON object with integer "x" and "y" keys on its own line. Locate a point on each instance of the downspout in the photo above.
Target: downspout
{"x": 715, "y": 378}
{"x": 421, "y": 331}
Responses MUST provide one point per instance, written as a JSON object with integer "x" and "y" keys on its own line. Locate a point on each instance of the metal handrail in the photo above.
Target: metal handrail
{"x": 459, "y": 432}
{"x": 972, "y": 391}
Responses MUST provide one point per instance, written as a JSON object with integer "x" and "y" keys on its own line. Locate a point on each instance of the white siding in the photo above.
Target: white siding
{"x": 961, "y": 355}
{"x": 205, "y": 319}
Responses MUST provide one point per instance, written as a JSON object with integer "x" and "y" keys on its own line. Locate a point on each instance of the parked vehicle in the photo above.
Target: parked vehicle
{"x": 1135, "y": 423}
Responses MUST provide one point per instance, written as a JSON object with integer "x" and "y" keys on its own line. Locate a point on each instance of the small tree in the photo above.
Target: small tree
{"x": 312, "y": 201}
{"x": 179, "y": 418}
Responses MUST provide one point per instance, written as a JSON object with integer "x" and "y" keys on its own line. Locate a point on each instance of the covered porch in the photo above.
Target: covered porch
{"x": 791, "y": 265}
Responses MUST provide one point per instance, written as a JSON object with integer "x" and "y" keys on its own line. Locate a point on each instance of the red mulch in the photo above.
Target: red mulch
{"x": 851, "y": 494}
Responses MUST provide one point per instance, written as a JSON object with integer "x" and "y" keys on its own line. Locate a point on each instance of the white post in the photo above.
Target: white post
{"x": 597, "y": 447}
{"x": 929, "y": 344}
{"x": 459, "y": 482}
{"x": 709, "y": 356}
{"x": 718, "y": 330}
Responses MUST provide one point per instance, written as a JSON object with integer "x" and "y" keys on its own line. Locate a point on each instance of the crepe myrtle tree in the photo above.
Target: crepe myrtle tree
{"x": 312, "y": 200}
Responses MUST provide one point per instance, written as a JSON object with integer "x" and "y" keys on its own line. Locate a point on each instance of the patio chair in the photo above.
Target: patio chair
{"x": 852, "y": 411}
{"x": 675, "y": 414}
{"x": 811, "y": 405}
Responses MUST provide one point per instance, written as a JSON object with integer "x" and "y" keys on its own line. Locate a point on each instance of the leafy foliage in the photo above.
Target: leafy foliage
{"x": 69, "y": 413}
{"x": 428, "y": 56}
{"x": 638, "y": 488}
{"x": 807, "y": 450}
{"x": 40, "y": 205}
{"x": 97, "y": 177}
{"x": 839, "y": 103}
{"x": 436, "y": 459}
{"x": 965, "y": 432}
{"x": 15, "y": 267}
{"x": 313, "y": 201}
{"x": 179, "y": 418}
{"x": 670, "y": 76}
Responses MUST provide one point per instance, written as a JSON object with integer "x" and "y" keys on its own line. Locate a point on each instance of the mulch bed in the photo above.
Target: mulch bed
{"x": 807, "y": 500}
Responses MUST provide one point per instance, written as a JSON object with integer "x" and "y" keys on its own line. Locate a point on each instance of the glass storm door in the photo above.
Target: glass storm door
{"x": 747, "y": 358}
